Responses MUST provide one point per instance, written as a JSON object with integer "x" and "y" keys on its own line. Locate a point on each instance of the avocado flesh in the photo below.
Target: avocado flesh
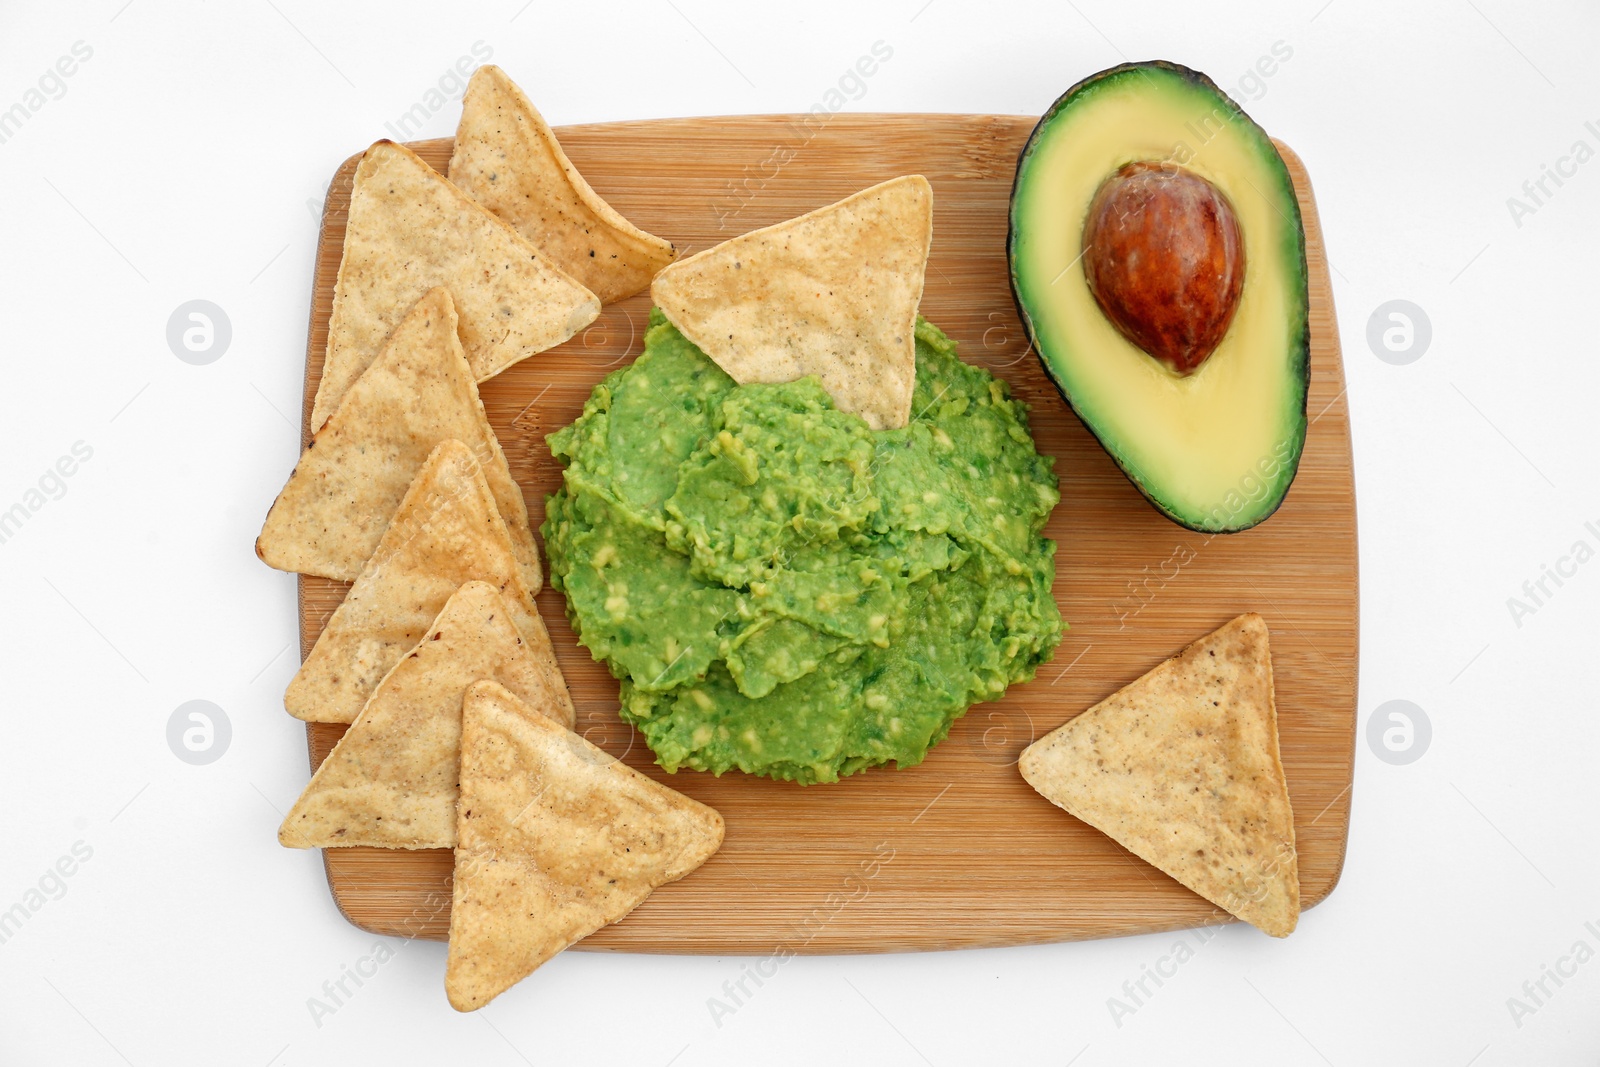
{"x": 1217, "y": 449}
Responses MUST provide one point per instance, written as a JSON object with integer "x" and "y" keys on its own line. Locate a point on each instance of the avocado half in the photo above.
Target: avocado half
{"x": 1217, "y": 449}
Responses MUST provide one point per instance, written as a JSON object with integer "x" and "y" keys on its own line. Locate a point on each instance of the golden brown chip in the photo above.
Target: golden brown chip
{"x": 1181, "y": 768}
{"x": 832, "y": 293}
{"x": 410, "y": 230}
{"x": 555, "y": 839}
{"x": 419, "y": 391}
{"x": 390, "y": 782}
{"x": 445, "y": 532}
{"x": 507, "y": 159}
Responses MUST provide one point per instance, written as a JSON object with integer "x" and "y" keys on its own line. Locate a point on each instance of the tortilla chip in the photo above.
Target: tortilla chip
{"x": 337, "y": 503}
{"x": 555, "y": 839}
{"x": 390, "y": 782}
{"x": 833, "y": 293}
{"x": 411, "y": 230}
{"x": 1182, "y": 769}
{"x": 445, "y": 532}
{"x": 507, "y": 159}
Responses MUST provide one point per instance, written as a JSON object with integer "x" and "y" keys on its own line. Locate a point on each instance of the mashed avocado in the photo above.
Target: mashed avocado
{"x": 783, "y": 590}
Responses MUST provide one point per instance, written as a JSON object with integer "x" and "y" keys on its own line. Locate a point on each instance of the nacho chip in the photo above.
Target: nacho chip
{"x": 390, "y": 782}
{"x": 445, "y": 532}
{"x": 329, "y": 517}
{"x": 507, "y": 159}
{"x": 833, "y": 293}
{"x": 411, "y": 230}
{"x": 1181, "y": 768}
{"x": 555, "y": 839}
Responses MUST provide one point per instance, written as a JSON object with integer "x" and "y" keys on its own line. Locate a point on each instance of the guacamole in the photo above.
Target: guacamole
{"x": 785, "y": 591}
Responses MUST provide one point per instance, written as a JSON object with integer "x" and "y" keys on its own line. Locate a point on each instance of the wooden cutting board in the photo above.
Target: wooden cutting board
{"x": 958, "y": 851}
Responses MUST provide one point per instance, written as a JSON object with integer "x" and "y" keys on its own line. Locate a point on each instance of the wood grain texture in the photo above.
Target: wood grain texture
{"x": 958, "y": 851}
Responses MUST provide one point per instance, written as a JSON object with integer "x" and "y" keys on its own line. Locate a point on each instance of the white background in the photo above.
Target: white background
{"x": 178, "y": 164}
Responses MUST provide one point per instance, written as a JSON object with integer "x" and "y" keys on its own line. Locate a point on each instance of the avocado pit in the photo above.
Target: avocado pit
{"x": 1164, "y": 259}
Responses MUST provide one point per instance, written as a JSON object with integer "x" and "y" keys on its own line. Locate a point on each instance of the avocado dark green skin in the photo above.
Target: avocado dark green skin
{"x": 1302, "y": 346}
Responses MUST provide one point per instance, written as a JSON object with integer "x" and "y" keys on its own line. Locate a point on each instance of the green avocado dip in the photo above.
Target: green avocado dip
{"x": 783, "y": 590}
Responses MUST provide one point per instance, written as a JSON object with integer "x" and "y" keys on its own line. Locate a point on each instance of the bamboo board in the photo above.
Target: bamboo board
{"x": 958, "y": 851}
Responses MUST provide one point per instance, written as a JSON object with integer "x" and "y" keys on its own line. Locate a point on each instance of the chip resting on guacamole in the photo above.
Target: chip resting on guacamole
{"x": 784, "y": 591}
{"x": 833, "y": 292}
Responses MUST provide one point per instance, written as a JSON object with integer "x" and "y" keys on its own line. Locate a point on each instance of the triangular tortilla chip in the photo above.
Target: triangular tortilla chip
{"x": 555, "y": 839}
{"x": 418, "y": 392}
{"x": 1181, "y": 768}
{"x": 833, "y": 293}
{"x": 409, "y": 230}
{"x": 445, "y": 532}
{"x": 390, "y": 782}
{"x": 507, "y": 159}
